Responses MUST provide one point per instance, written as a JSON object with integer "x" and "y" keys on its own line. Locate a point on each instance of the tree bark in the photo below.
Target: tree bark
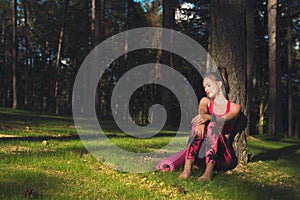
{"x": 169, "y": 7}
{"x": 58, "y": 58}
{"x": 228, "y": 49}
{"x": 290, "y": 70}
{"x": 43, "y": 92}
{"x": 250, "y": 60}
{"x": 27, "y": 67}
{"x": 97, "y": 16}
{"x": 272, "y": 123}
{"x": 4, "y": 75}
{"x": 261, "y": 80}
{"x": 14, "y": 52}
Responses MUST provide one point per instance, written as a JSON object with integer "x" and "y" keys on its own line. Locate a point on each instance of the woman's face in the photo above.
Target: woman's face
{"x": 211, "y": 87}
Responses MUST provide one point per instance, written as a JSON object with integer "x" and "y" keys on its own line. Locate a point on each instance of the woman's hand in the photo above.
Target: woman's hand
{"x": 200, "y": 131}
{"x": 201, "y": 119}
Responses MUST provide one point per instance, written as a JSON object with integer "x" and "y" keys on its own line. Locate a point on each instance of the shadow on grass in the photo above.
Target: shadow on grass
{"x": 237, "y": 187}
{"x": 83, "y": 137}
{"x": 24, "y": 184}
{"x": 288, "y": 152}
{"x": 39, "y": 138}
{"x": 225, "y": 186}
{"x": 32, "y": 117}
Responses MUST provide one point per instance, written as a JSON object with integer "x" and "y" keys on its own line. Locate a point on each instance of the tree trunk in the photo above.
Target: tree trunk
{"x": 14, "y": 52}
{"x": 4, "y": 75}
{"x": 169, "y": 7}
{"x": 57, "y": 64}
{"x": 101, "y": 20}
{"x": 43, "y": 92}
{"x": 290, "y": 70}
{"x": 250, "y": 60}
{"x": 27, "y": 67}
{"x": 97, "y": 13}
{"x": 86, "y": 30}
{"x": 297, "y": 128}
{"x": 228, "y": 48}
{"x": 128, "y": 26}
{"x": 272, "y": 12}
{"x": 93, "y": 22}
{"x": 261, "y": 98}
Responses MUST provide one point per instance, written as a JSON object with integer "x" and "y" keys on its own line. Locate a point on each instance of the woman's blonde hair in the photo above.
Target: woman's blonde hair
{"x": 220, "y": 75}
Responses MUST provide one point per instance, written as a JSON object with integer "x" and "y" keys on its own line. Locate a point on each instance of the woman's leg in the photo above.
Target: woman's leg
{"x": 221, "y": 155}
{"x": 207, "y": 175}
{"x": 192, "y": 152}
{"x": 212, "y": 137}
{"x": 187, "y": 170}
{"x": 226, "y": 158}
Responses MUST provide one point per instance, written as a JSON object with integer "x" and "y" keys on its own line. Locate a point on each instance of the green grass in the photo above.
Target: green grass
{"x": 64, "y": 169}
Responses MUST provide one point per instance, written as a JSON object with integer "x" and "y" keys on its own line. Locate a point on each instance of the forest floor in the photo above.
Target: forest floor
{"x": 42, "y": 157}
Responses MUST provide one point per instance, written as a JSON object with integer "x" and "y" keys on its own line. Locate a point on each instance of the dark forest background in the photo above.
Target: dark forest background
{"x": 44, "y": 42}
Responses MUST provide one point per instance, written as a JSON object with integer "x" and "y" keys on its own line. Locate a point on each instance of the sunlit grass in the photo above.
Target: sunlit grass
{"x": 64, "y": 169}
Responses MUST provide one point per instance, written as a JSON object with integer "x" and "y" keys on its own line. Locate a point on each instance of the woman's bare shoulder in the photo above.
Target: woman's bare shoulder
{"x": 205, "y": 100}
{"x": 235, "y": 107}
{"x": 204, "y": 103}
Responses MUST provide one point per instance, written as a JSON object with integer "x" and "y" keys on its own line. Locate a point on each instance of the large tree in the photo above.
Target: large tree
{"x": 228, "y": 49}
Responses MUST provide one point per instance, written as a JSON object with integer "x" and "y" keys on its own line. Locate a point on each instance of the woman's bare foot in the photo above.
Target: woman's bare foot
{"x": 186, "y": 170}
{"x": 204, "y": 177}
{"x": 185, "y": 174}
{"x": 207, "y": 175}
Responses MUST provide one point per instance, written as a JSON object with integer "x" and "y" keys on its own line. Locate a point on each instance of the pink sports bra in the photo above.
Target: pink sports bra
{"x": 228, "y": 127}
{"x": 211, "y": 109}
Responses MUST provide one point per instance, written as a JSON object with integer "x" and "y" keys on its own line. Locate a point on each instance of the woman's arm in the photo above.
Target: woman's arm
{"x": 203, "y": 110}
{"x": 203, "y": 115}
{"x": 234, "y": 112}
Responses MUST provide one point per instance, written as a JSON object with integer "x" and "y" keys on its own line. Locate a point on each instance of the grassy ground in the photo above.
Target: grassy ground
{"x": 61, "y": 167}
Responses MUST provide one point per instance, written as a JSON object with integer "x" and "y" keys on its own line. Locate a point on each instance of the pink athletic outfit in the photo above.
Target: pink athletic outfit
{"x": 214, "y": 148}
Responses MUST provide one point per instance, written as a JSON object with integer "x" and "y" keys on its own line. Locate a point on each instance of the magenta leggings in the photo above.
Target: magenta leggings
{"x": 214, "y": 148}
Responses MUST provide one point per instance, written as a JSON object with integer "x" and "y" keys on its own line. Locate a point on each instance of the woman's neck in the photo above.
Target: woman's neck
{"x": 220, "y": 99}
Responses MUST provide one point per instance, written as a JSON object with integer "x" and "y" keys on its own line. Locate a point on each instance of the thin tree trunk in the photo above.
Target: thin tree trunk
{"x": 31, "y": 89}
{"x": 250, "y": 59}
{"x": 297, "y": 128}
{"x": 101, "y": 19}
{"x": 93, "y": 22}
{"x": 5, "y": 74}
{"x": 279, "y": 95}
{"x": 96, "y": 34}
{"x": 27, "y": 78}
{"x": 43, "y": 99}
{"x": 169, "y": 7}
{"x": 272, "y": 12}
{"x": 290, "y": 70}
{"x": 261, "y": 119}
{"x": 128, "y": 24}
{"x": 86, "y": 30}
{"x": 14, "y": 53}
{"x": 104, "y": 95}
{"x": 261, "y": 80}
{"x": 57, "y": 66}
